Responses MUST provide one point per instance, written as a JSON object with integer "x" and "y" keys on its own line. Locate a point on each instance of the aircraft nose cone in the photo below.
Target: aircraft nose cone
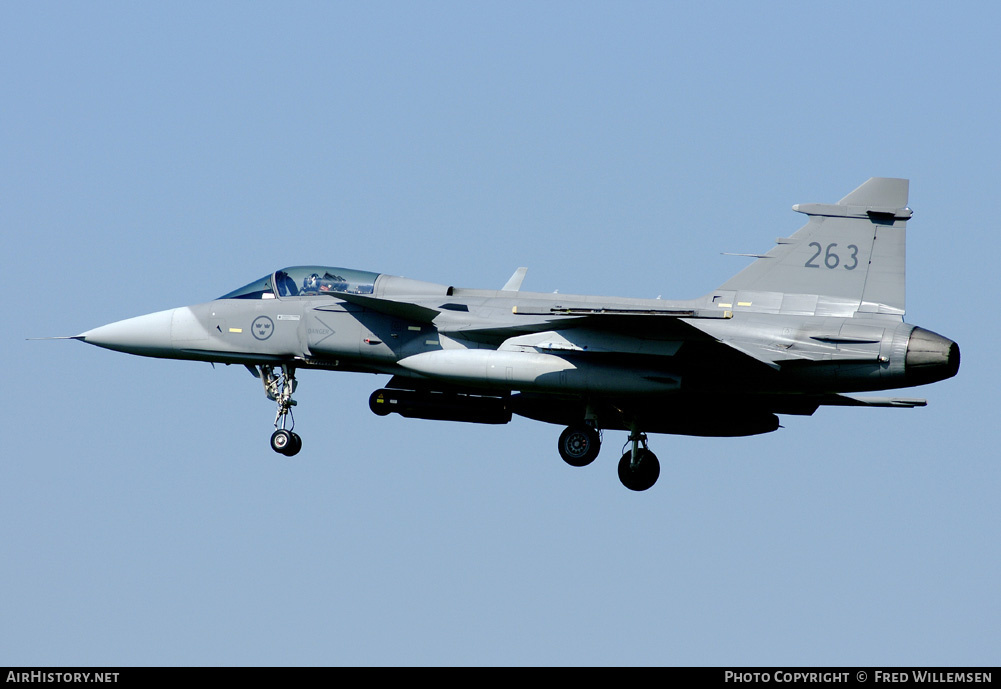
{"x": 930, "y": 357}
{"x": 147, "y": 335}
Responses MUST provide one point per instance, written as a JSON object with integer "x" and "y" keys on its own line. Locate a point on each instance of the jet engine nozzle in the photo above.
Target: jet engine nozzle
{"x": 930, "y": 357}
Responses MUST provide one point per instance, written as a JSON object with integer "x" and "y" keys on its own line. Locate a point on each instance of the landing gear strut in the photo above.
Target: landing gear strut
{"x": 279, "y": 387}
{"x": 638, "y": 468}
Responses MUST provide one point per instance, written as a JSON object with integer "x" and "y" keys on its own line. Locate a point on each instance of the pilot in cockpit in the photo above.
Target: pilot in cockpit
{"x": 311, "y": 284}
{"x": 314, "y": 284}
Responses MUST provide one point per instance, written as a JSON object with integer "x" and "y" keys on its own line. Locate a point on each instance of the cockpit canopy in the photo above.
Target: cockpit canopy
{"x": 307, "y": 281}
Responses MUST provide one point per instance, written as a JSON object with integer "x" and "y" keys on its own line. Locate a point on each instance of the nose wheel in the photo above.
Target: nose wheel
{"x": 279, "y": 386}
{"x": 286, "y": 442}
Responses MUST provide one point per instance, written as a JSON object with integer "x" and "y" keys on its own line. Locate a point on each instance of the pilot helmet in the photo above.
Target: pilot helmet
{"x": 311, "y": 283}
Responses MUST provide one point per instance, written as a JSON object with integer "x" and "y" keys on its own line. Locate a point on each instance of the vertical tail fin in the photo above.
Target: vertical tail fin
{"x": 850, "y": 254}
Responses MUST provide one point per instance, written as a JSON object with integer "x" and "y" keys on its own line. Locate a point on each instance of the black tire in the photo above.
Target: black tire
{"x": 294, "y": 446}
{"x": 643, "y": 475}
{"x": 282, "y": 441}
{"x": 579, "y": 445}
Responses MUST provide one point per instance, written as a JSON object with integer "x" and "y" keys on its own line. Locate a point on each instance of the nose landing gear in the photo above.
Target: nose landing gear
{"x": 279, "y": 387}
{"x": 286, "y": 442}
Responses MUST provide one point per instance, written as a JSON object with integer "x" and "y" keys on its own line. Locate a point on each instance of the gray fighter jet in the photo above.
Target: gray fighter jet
{"x": 818, "y": 316}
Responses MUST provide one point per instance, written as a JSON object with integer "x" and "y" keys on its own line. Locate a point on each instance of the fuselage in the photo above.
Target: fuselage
{"x": 540, "y": 342}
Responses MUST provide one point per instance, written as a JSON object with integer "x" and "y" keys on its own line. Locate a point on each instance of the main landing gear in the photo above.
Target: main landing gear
{"x": 279, "y": 387}
{"x": 579, "y": 445}
{"x": 639, "y": 468}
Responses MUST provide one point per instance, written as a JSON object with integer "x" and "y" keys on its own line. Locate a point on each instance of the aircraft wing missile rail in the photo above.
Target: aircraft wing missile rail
{"x": 818, "y": 316}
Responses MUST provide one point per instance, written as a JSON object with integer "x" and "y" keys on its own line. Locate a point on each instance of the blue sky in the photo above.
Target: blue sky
{"x": 161, "y": 155}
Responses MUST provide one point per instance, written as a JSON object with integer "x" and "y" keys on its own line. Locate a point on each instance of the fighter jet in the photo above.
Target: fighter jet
{"x": 819, "y": 316}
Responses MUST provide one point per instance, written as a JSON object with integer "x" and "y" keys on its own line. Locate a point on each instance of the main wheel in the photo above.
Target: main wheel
{"x": 641, "y": 476}
{"x": 282, "y": 441}
{"x": 579, "y": 445}
{"x": 294, "y": 446}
